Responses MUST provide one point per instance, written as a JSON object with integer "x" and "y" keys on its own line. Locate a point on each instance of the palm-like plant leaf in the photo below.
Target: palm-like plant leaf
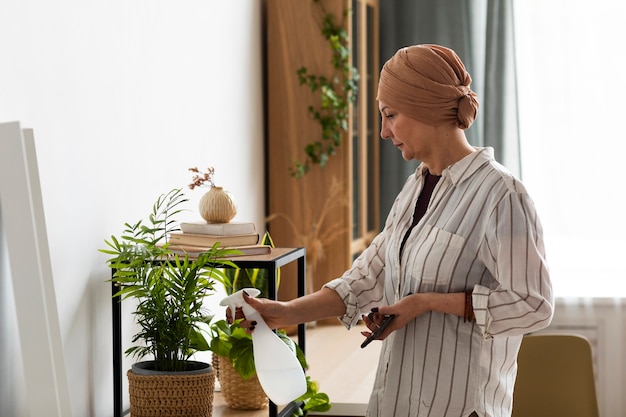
{"x": 169, "y": 288}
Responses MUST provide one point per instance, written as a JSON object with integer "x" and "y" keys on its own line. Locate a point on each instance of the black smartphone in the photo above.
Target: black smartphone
{"x": 379, "y": 330}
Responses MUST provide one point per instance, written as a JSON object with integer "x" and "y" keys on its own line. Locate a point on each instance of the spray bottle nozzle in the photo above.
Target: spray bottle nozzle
{"x": 236, "y": 300}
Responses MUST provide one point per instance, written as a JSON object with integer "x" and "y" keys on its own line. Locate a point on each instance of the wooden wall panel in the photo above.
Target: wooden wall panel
{"x": 294, "y": 40}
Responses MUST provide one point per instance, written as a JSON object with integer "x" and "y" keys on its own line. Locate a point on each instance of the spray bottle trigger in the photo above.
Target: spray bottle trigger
{"x": 236, "y": 300}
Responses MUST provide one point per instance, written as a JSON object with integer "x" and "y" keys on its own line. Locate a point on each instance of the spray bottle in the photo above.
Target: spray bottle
{"x": 277, "y": 366}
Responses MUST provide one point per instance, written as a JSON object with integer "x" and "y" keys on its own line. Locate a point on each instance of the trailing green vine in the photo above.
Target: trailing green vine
{"x": 336, "y": 93}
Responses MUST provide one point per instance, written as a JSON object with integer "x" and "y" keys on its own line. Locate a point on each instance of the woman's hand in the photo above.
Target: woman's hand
{"x": 279, "y": 314}
{"x": 272, "y": 312}
{"x": 405, "y": 310}
{"x": 411, "y": 307}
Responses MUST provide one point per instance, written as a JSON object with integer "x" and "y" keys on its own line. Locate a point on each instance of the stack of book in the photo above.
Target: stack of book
{"x": 197, "y": 237}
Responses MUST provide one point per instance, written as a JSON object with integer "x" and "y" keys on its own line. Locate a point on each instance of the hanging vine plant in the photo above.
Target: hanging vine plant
{"x": 336, "y": 93}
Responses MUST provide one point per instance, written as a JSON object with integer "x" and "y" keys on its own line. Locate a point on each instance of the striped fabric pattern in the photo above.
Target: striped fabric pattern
{"x": 480, "y": 232}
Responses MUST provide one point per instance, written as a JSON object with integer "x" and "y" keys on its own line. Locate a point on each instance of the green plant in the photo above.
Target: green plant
{"x": 317, "y": 230}
{"x": 336, "y": 92}
{"x": 170, "y": 288}
{"x": 233, "y": 342}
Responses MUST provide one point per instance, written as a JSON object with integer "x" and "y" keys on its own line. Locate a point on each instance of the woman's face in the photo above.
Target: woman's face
{"x": 412, "y": 137}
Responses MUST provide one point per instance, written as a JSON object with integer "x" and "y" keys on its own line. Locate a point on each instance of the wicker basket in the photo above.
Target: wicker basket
{"x": 171, "y": 395}
{"x": 215, "y": 363}
{"x": 239, "y": 393}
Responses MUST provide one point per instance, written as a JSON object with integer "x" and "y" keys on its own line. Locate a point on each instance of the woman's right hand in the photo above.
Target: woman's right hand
{"x": 271, "y": 311}
{"x": 319, "y": 305}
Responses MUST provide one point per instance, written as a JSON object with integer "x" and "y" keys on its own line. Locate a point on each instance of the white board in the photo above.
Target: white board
{"x": 24, "y": 226}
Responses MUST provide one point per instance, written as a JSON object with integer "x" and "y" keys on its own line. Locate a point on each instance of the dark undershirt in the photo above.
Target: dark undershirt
{"x": 422, "y": 204}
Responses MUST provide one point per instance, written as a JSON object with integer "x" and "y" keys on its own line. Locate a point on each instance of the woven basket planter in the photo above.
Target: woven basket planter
{"x": 172, "y": 394}
{"x": 239, "y": 393}
{"x": 215, "y": 362}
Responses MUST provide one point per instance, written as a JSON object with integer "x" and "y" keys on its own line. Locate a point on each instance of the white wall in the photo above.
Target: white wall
{"x": 123, "y": 97}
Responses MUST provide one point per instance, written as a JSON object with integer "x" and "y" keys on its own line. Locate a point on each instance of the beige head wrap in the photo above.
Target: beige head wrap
{"x": 429, "y": 83}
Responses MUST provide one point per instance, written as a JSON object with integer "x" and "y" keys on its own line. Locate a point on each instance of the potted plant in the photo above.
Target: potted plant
{"x": 169, "y": 289}
{"x": 233, "y": 356}
{"x": 233, "y": 345}
{"x": 241, "y": 390}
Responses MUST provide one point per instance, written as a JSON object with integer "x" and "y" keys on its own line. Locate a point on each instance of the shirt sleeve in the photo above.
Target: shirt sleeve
{"x": 362, "y": 286}
{"x": 513, "y": 251}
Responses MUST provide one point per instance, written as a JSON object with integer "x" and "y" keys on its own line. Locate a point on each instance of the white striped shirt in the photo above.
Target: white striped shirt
{"x": 481, "y": 233}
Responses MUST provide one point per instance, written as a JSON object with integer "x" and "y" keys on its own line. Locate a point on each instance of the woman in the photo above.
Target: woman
{"x": 460, "y": 262}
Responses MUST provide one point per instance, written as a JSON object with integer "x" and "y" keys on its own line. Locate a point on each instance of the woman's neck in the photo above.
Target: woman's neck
{"x": 453, "y": 146}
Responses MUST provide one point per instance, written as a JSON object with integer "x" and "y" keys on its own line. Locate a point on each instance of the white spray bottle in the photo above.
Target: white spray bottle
{"x": 277, "y": 366}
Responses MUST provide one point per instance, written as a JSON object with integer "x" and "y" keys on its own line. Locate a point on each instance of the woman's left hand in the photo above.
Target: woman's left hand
{"x": 413, "y": 306}
{"x": 405, "y": 310}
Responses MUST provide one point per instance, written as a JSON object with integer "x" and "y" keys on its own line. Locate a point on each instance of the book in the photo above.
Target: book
{"x": 218, "y": 229}
{"x": 195, "y": 239}
{"x": 245, "y": 250}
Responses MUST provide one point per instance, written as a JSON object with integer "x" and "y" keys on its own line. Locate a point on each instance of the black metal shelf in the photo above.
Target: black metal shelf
{"x": 277, "y": 258}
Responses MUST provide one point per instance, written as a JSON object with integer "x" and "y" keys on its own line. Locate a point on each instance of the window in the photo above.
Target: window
{"x": 572, "y": 91}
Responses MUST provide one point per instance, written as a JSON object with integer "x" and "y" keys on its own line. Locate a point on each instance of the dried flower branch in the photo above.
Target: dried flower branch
{"x": 200, "y": 178}
{"x": 316, "y": 234}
